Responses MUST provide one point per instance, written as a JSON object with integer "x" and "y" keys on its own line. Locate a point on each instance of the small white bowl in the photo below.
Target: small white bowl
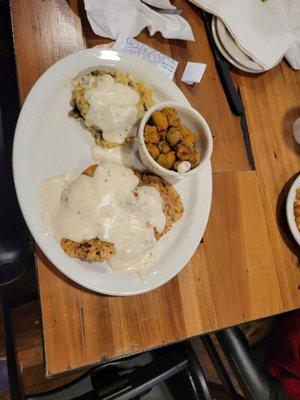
{"x": 290, "y": 209}
{"x": 194, "y": 122}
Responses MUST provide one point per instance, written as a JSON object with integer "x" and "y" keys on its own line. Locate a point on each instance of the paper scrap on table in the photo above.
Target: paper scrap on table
{"x": 193, "y": 73}
{"x": 129, "y": 45}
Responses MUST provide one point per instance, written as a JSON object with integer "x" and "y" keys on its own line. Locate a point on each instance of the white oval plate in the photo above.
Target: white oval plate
{"x": 290, "y": 209}
{"x": 48, "y": 142}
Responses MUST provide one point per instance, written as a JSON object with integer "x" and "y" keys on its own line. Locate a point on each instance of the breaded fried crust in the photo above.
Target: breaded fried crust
{"x": 172, "y": 204}
{"x": 88, "y": 250}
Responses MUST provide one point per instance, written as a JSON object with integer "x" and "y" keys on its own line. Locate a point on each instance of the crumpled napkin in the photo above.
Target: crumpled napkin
{"x": 110, "y": 18}
{"x": 265, "y": 30}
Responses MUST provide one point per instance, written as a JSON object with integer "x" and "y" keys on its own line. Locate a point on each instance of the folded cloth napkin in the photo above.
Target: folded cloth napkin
{"x": 110, "y": 18}
{"x": 265, "y": 30}
{"x": 284, "y": 353}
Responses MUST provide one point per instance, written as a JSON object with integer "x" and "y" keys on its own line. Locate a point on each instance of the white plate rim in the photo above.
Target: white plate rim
{"x": 16, "y": 149}
{"x": 290, "y": 209}
{"x": 226, "y": 54}
{"x": 229, "y": 57}
{"x": 223, "y": 34}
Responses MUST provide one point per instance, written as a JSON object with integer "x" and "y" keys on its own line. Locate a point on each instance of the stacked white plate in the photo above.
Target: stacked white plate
{"x": 229, "y": 48}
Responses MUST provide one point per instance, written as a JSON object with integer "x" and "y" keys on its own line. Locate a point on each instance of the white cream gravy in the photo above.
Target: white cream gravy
{"x": 112, "y": 108}
{"x": 119, "y": 154}
{"x": 111, "y": 207}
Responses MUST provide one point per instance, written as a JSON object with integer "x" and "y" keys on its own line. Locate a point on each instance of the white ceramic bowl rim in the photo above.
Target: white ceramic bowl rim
{"x": 207, "y": 132}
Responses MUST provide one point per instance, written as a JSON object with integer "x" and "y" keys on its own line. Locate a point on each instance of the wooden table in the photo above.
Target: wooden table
{"x": 247, "y": 266}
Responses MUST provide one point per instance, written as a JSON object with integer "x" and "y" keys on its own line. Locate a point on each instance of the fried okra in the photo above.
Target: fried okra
{"x": 151, "y": 135}
{"x": 163, "y": 146}
{"x": 169, "y": 141}
{"x": 153, "y": 150}
{"x": 160, "y": 121}
{"x": 172, "y": 116}
{"x": 167, "y": 160}
{"x": 195, "y": 160}
{"x": 173, "y": 136}
{"x": 184, "y": 151}
{"x": 187, "y": 135}
{"x": 162, "y": 135}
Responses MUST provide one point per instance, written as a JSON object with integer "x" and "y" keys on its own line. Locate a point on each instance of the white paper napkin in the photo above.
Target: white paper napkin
{"x": 163, "y": 4}
{"x": 265, "y": 30}
{"x": 110, "y": 18}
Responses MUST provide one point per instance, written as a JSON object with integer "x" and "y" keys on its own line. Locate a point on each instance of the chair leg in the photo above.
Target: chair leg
{"x": 255, "y": 380}
{"x": 4, "y": 384}
{"x": 217, "y": 392}
{"x": 196, "y": 372}
{"x": 14, "y": 374}
{"x": 220, "y": 368}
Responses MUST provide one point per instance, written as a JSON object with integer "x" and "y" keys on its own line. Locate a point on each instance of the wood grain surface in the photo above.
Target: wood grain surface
{"x": 247, "y": 265}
